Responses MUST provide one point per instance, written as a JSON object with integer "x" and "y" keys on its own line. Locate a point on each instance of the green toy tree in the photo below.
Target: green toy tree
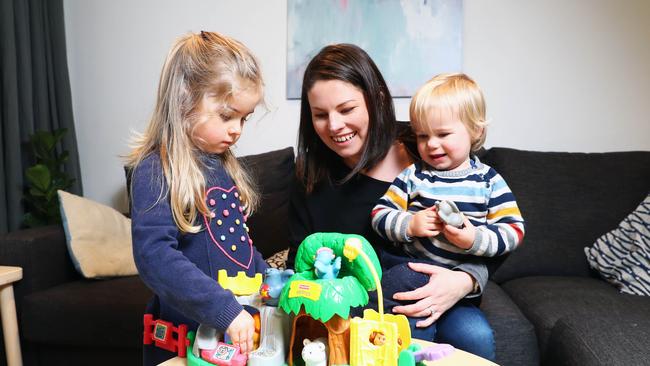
{"x": 337, "y": 296}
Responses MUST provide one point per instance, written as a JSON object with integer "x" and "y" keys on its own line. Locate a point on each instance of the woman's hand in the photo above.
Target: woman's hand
{"x": 445, "y": 288}
{"x": 241, "y": 331}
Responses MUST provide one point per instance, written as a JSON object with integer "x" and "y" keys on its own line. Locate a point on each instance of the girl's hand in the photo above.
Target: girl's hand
{"x": 424, "y": 224}
{"x": 462, "y": 238}
{"x": 445, "y": 288}
{"x": 241, "y": 331}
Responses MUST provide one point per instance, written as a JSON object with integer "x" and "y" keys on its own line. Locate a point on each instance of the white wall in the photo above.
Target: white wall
{"x": 559, "y": 75}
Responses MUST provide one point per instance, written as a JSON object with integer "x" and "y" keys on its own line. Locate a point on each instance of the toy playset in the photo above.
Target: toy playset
{"x": 303, "y": 317}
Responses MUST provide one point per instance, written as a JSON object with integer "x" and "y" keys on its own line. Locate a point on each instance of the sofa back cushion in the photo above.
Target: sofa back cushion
{"x": 568, "y": 200}
{"x": 273, "y": 172}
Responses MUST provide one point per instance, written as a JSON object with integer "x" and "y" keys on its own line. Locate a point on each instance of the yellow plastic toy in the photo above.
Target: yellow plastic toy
{"x": 375, "y": 339}
{"x": 241, "y": 284}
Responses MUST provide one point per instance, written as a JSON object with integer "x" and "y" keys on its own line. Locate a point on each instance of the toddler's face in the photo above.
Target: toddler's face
{"x": 443, "y": 141}
{"x": 219, "y": 126}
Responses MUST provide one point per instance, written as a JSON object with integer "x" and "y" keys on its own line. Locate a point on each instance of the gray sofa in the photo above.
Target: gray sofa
{"x": 544, "y": 303}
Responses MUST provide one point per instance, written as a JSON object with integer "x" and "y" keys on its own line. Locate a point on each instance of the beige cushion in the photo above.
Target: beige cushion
{"x": 98, "y": 237}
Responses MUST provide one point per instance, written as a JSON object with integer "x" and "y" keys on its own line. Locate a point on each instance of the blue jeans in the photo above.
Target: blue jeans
{"x": 464, "y": 325}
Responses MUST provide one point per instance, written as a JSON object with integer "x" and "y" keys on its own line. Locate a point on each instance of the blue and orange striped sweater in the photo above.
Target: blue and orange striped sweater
{"x": 479, "y": 192}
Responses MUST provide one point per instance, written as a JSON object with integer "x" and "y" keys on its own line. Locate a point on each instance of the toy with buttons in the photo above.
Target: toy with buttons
{"x": 226, "y": 225}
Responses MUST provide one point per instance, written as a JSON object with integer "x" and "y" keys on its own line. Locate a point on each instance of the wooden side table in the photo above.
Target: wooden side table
{"x": 9, "y": 275}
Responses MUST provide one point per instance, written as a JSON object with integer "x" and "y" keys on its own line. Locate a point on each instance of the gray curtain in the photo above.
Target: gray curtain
{"x": 34, "y": 95}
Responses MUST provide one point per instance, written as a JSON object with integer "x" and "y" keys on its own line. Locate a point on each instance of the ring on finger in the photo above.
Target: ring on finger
{"x": 431, "y": 310}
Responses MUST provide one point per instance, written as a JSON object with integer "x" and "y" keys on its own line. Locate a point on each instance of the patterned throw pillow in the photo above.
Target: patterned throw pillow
{"x": 622, "y": 256}
{"x": 278, "y": 260}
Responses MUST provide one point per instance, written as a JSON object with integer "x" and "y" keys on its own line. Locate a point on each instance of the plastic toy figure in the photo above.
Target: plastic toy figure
{"x": 327, "y": 265}
{"x": 415, "y": 354}
{"x": 314, "y": 353}
{"x": 274, "y": 281}
{"x": 377, "y": 338}
{"x": 449, "y": 213}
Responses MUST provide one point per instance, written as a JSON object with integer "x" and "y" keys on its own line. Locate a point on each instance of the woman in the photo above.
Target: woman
{"x": 348, "y": 155}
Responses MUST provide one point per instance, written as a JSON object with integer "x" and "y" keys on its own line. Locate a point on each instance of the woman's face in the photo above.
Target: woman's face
{"x": 340, "y": 117}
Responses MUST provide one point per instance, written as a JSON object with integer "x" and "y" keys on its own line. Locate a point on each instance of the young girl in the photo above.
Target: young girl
{"x": 448, "y": 118}
{"x": 190, "y": 197}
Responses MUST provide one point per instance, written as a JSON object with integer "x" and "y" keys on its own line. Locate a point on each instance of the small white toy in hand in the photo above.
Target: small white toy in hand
{"x": 315, "y": 353}
{"x": 449, "y": 213}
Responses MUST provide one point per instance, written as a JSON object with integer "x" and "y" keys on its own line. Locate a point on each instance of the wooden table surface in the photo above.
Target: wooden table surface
{"x": 457, "y": 358}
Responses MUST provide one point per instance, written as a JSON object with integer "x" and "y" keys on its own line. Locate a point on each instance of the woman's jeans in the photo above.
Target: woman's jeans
{"x": 464, "y": 325}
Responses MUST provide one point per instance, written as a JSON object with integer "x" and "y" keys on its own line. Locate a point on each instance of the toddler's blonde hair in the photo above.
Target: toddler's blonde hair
{"x": 457, "y": 93}
{"x": 197, "y": 64}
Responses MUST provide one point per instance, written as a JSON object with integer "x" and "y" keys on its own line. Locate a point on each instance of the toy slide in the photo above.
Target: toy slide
{"x": 274, "y": 333}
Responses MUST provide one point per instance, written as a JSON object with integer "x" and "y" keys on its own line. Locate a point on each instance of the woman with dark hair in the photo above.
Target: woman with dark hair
{"x": 350, "y": 149}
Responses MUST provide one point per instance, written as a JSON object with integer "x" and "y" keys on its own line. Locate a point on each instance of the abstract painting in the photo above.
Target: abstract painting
{"x": 409, "y": 40}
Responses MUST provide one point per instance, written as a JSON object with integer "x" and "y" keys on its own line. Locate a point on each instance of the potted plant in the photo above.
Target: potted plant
{"x": 45, "y": 178}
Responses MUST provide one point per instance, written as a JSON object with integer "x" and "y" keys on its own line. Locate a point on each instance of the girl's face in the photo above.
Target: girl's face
{"x": 220, "y": 125}
{"x": 340, "y": 117}
{"x": 444, "y": 143}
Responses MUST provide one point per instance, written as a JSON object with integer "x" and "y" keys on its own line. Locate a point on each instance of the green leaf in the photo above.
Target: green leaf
{"x": 36, "y": 192}
{"x": 39, "y": 176}
{"x": 59, "y": 133}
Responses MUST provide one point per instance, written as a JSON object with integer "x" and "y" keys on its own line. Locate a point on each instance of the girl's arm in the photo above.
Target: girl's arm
{"x": 162, "y": 266}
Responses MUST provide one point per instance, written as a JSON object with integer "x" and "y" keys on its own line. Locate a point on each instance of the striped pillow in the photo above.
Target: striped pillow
{"x": 622, "y": 256}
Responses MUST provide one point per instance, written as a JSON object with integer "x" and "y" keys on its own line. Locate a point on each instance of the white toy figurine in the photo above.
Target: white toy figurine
{"x": 315, "y": 353}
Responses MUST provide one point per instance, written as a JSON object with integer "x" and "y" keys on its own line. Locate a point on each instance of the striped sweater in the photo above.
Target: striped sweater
{"x": 479, "y": 192}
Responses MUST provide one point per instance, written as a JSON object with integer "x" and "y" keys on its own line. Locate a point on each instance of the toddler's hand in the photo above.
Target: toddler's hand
{"x": 424, "y": 224}
{"x": 241, "y": 331}
{"x": 462, "y": 238}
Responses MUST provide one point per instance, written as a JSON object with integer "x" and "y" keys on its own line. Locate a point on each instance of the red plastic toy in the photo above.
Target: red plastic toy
{"x": 161, "y": 333}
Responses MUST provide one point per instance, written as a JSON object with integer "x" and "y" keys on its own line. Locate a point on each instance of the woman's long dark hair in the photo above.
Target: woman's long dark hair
{"x": 351, "y": 64}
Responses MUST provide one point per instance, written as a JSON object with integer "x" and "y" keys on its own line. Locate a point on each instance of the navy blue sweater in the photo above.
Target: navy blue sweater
{"x": 181, "y": 268}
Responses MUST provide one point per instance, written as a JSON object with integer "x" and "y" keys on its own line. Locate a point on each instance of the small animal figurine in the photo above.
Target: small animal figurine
{"x": 450, "y": 214}
{"x": 315, "y": 353}
{"x": 326, "y": 265}
{"x": 274, "y": 280}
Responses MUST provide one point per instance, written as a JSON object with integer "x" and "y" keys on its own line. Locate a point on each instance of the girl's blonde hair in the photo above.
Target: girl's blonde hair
{"x": 197, "y": 64}
{"x": 457, "y": 93}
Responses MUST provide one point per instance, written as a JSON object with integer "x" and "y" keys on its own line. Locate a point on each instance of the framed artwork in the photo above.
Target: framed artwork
{"x": 409, "y": 40}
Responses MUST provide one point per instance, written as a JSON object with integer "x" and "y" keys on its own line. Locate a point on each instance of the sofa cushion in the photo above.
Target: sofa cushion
{"x": 87, "y": 312}
{"x": 567, "y": 200}
{"x": 621, "y": 339}
{"x": 516, "y": 343}
{"x": 622, "y": 256}
{"x": 98, "y": 237}
{"x": 273, "y": 172}
{"x": 546, "y": 299}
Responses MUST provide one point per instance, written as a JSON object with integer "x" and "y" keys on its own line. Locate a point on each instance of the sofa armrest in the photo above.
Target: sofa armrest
{"x": 42, "y": 253}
